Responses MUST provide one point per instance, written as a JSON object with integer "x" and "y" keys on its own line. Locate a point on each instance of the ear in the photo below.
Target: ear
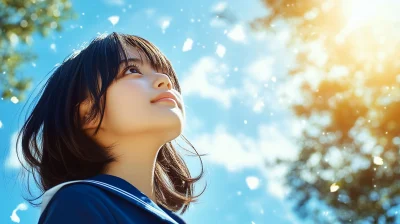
{"x": 84, "y": 109}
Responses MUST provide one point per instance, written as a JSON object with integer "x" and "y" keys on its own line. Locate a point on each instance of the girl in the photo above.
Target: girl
{"x": 107, "y": 117}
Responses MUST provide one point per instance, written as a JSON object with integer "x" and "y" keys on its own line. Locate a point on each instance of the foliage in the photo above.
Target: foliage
{"x": 19, "y": 21}
{"x": 351, "y": 103}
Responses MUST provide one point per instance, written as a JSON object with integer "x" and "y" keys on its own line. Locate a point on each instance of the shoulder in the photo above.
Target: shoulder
{"x": 79, "y": 190}
{"x": 173, "y": 215}
{"x": 80, "y": 193}
{"x": 77, "y": 202}
{"x": 177, "y": 218}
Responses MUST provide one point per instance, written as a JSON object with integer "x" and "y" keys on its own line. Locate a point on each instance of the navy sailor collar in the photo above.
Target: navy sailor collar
{"x": 123, "y": 185}
{"x": 136, "y": 196}
{"x": 123, "y": 189}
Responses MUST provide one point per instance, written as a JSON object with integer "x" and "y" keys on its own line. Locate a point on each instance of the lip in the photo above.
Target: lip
{"x": 166, "y": 99}
{"x": 166, "y": 96}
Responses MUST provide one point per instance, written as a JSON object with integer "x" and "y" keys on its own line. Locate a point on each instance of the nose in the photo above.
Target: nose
{"x": 163, "y": 80}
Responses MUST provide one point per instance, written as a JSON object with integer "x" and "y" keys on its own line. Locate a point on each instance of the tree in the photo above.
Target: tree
{"x": 19, "y": 20}
{"x": 347, "y": 163}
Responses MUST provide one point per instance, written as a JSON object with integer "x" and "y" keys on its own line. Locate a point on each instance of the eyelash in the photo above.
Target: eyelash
{"x": 132, "y": 66}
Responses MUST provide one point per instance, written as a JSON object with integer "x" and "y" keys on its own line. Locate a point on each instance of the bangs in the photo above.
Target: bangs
{"x": 151, "y": 53}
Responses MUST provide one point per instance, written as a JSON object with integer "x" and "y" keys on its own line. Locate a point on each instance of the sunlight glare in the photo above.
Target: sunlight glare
{"x": 359, "y": 11}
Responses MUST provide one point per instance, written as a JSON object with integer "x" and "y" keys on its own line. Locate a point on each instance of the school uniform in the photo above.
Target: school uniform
{"x": 102, "y": 199}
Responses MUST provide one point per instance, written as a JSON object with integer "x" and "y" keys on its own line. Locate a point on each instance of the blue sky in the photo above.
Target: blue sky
{"x": 231, "y": 84}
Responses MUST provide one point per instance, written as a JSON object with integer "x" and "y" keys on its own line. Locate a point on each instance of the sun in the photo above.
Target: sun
{"x": 358, "y": 11}
{"x": 361, "y": 12}
{"x": 375, "y": 14}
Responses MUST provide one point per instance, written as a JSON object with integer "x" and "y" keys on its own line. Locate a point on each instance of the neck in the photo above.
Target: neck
{"x": 141, "y": 175}
{"x": 136, "y": 159}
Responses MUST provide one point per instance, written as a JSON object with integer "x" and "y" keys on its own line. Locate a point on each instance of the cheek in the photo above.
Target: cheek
{"x": 126, "y": 104}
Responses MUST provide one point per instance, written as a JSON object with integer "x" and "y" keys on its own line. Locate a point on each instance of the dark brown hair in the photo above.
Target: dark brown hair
{"x": 65, "y": 153}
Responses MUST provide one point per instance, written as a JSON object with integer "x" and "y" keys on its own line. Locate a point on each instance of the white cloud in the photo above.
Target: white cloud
{"x": 199, "y": 80}
{"x": 12, "y": 161}
{"x": 254, "y": 83}
{"x": 115, "y": 2}
{"x": 187, "y": 46}
{"x": 259, "y": 106}
{"x": 193, "y": 124}
{"x": 290, "y": 90}
{"x": 226, "y": 150}
{"x": 261, "y": 69}
{"x": 1, "y": 124}
{"x": 237, "y": 152}
{"x": 250, "y": 90}
{"x": 14, "y": 217}
{"x": 276, "y": 178}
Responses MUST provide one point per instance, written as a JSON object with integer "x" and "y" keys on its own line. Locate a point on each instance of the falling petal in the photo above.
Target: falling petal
{"x": 14, "y": 99}
{"x": 378, "y": 160}
{"x": 219, "y": 7}
{"x": 220, "y": 50}
{"x": 165, "y": 24}
{"x": 252, "y": 182}
{"x": 14, "y": 217}
{"x": 113, "y": 19}
{"x": 237, "y": 33}
{"x": 53, "y": 46}
{"x": 187, "y": 46}
{"x": 334, "y": 187}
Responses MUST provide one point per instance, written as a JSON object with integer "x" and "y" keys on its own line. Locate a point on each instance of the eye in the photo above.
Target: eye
{"x": 132, "y": 69}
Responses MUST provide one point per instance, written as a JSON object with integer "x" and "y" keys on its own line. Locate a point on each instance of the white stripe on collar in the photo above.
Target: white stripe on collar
{"x": 52, "y": 191}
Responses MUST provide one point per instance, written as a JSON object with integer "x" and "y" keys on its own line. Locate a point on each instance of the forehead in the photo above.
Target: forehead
{"x": 144, "y": 54}
{"x": 133, "y": 52}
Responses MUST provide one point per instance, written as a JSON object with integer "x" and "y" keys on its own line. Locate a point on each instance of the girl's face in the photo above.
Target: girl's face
{"x": 129, "y": 110}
